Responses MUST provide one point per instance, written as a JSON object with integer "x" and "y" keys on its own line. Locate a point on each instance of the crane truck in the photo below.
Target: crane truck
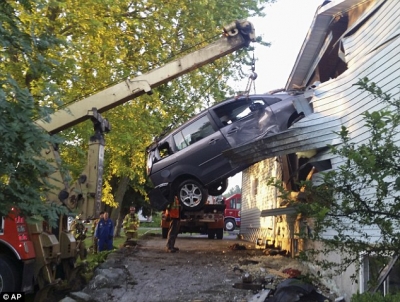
{"x": 34, "y": 256}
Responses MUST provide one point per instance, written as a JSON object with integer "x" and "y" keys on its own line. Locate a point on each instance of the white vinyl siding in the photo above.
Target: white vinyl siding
{"x": 371, "y": 48}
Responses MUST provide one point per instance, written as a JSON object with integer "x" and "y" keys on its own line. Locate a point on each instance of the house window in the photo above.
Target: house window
{"x": 371, "y": 271}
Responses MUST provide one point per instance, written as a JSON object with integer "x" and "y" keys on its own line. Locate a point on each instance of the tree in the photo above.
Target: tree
{"x": 362, "y": 194}
{"x": 22, "y": 170}
{"x": 140, "y": 37}
{"x": 234, "y": 190}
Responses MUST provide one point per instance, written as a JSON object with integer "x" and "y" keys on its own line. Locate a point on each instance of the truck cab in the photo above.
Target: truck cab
{"x": 233, "y": 205}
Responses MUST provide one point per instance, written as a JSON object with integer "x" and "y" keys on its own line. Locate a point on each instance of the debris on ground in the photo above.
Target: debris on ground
{"x": 292, "y": 272}
{"x": 130, "y": 243}
{"x": 270, "y": 282}
{"x": 211, "y": 270}
{"x": 294, "y": 289}
{"x": 275, "y": 252}
{"x": 237, "y": 246}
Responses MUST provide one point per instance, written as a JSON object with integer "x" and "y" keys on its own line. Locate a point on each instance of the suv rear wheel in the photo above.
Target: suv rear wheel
{"x": 218, "y": 188}
{"x": 192, "y": 195}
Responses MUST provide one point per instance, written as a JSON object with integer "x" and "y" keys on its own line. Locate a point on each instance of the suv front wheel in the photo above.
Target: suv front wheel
{"x": 192, "y": 195}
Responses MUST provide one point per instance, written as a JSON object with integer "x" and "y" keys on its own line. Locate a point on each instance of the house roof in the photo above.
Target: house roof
{"x": 315, "y": 38}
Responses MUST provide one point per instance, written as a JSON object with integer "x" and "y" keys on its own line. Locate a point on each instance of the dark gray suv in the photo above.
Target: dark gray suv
{"x": 188, "y": 162}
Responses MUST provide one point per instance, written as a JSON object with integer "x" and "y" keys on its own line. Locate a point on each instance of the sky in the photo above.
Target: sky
{"x": 285, "y": 26}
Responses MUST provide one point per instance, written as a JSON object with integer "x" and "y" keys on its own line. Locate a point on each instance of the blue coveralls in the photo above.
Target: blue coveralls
{"x": 104, "y": 232}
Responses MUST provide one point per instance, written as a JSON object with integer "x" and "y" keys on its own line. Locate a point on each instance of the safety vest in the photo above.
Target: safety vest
{"x": 131, "y": 224}
{"x": 174, "y": 209}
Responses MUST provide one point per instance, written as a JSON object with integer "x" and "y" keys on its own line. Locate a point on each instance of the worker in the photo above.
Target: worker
{"x": 93, "y": 230}
{"x": 131, "y": 224}
{"x": 78, "y": 230}
{"x": 104, "y": 233}
{"x": 173, "y": 216}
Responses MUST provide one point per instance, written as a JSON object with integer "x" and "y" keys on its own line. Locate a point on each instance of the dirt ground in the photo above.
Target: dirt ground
{"x": 202, "y": 270}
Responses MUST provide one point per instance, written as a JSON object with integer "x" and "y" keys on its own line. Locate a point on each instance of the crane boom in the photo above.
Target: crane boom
{"x": 235, "y": 36}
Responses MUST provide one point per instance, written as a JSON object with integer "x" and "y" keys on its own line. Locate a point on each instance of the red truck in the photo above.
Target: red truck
{"x": 233, "y": 205}
{"x": 217, "y": 215}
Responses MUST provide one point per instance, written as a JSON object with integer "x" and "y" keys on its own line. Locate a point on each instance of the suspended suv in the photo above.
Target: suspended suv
{"x": 188, "y": 162}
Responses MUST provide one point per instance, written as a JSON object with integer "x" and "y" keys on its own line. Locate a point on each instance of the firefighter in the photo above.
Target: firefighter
{"x": 95, "y": 240}
{"x": 104, "y": 233}
{"x": 131, "y": 224}
{"x": 78, "y": 230}
{"x": 173, "y": 216}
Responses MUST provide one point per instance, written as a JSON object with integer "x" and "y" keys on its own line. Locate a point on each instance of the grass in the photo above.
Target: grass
{"x": 155, "y": 223}
{"x": 119, "y": 241}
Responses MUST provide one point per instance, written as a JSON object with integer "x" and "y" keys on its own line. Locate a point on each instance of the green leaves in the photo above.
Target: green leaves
{"x": 22, "y": 168}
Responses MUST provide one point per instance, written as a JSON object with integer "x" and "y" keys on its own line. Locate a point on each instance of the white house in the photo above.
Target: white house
{"x": 348, "y": 40}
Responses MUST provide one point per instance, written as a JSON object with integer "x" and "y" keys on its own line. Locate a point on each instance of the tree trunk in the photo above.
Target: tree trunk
{"x": 116, "y": 212}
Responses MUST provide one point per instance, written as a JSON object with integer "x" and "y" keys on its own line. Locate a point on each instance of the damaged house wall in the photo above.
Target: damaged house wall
{"x": 347, "y": 41}
{"x": 370, "y": 48}
{"x": 256, "y": 196}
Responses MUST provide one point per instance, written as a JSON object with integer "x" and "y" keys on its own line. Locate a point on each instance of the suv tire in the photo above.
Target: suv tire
{"x": 218, "y": 188}
{"x": 192, "y": 195}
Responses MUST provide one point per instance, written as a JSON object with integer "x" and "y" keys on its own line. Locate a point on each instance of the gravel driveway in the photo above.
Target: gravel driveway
{"x": 203, "y": 270}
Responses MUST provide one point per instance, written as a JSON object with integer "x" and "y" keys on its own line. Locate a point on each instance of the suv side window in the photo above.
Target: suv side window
{"x": 194, "y": 132}
{"x": 238, "y": 109}
{"x": 164, "y": 150}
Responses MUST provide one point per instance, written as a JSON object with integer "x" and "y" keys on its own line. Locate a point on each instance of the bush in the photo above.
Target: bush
{"x": 376, "y": 297}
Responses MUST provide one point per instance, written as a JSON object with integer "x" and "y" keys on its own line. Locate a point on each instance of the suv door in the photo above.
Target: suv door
{"x": 200, "y": 147}
{"x": 245, "y": 120}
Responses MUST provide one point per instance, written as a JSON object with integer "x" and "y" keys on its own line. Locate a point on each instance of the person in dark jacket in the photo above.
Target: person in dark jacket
{"x": 94, "y": 226}
{"x": 104, "y": 233}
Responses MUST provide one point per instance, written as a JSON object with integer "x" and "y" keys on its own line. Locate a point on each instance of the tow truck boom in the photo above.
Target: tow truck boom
{"x": 236, "y": 35}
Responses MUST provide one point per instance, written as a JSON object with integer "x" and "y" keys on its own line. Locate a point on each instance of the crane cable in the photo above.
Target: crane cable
{"x": 253, "y": 76}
